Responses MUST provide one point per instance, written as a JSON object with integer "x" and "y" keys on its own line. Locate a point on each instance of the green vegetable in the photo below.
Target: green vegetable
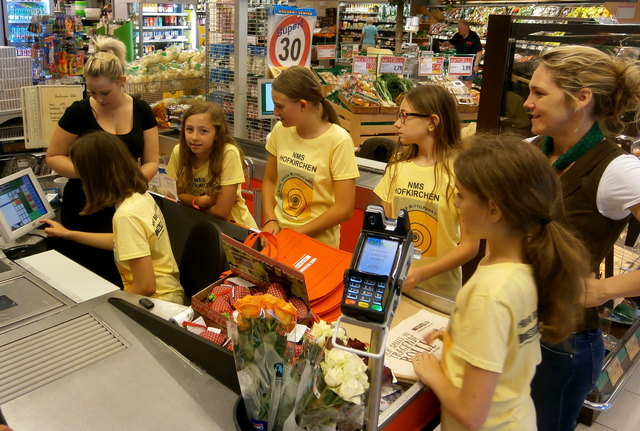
{"x": 395, "y": 84}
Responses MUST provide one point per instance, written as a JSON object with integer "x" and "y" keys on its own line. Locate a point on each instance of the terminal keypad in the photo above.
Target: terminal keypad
{"x": 365, "y": 293}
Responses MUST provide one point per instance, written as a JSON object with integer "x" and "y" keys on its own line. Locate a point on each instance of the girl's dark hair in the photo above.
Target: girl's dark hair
{"x": 519, "y": 179}
{"x": 300, "y": 83}
{"x": 108, "y": 171}
{"x": 432, "y": 99}
{"x": 222, "y": 138}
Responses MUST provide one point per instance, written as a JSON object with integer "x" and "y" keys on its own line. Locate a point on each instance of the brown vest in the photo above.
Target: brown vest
{"x": 580, "y": 212}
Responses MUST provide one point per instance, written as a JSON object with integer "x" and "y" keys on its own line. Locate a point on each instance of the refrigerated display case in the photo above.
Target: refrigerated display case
{"x": 160, "y": 25}
{"x": 19, "y": 17}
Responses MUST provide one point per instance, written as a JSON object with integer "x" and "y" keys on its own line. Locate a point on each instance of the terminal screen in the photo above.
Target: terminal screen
{"x": 20, "y": 203}
{"x": 378, "y": 255}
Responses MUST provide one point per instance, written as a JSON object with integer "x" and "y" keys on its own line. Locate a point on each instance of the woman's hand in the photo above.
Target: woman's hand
{"x": 55, "y": 229}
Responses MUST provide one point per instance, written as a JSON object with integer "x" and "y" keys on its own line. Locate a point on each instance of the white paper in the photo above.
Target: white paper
{"x": 407, "y": 339}
{"x": 69, "y": 278}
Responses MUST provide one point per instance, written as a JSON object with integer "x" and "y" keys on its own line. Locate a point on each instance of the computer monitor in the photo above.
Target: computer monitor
{"x": 265, "y": 102}
{"x": 23, "y": 205}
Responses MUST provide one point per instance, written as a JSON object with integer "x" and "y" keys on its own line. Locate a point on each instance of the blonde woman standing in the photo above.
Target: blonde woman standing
{"x": 109, "y": 109}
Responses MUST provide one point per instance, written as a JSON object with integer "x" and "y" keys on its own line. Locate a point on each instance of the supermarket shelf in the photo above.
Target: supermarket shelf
{"x": 164, "y": 14}
{"x": 164, "y": 40}
{"x": 166, "y": 27}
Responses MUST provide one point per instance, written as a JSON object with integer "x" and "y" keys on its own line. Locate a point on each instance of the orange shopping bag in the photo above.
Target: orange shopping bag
{"x": 323, "y": 266}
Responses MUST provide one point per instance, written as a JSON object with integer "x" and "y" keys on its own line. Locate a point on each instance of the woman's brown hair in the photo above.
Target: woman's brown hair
{"x": 108, "y": 171}
{"x": 300, "y": 83}
{"x": 518, "y": 178}
{"x": 614, "y": 82}
{"x": 434, "y": 100}
{"x": 216, "y": 157}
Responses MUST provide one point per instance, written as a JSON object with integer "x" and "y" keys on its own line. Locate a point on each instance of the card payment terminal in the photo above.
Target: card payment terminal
{"x": 378, "y": 267}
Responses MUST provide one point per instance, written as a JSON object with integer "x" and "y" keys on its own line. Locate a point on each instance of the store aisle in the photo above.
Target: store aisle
{"x": 625, "y": 413}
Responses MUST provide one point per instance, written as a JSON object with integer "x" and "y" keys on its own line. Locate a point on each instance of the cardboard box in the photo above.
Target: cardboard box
{"x": 257, "y": 268}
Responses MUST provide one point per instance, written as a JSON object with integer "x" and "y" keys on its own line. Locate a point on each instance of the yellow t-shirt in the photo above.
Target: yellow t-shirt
{"x": 307, "y": 169}
{"x": 139, "y": 230}
{"x": 232, "y": 173}
{"x": 435, "y": 222}
{"x": 495, "y": 327}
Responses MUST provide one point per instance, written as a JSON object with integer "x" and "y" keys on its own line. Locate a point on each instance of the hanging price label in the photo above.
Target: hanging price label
{"x": 392, "y": 65}
{"x": 364, "y": 65}
{"x": 461, "y": 66}
{"x": 632, "y": 347}
{"x": 430, "y": 65}
{"x": 326, "y": 52}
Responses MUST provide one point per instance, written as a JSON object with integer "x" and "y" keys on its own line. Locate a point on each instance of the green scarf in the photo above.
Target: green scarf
{"x": 593, "y": 137}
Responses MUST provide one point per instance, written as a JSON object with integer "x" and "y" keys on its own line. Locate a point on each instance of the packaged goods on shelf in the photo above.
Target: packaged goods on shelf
{"x": 172, "y": 69}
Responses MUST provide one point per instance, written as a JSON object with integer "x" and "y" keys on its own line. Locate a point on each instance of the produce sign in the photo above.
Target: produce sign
{"x": 430, "y": 65}
{"x": 326, "y": 52}
{"x": 290, "y": 33}
{"x": 461, "y": 66}
{"x": 365, "y": 65}
{"x": 392, "y": 65}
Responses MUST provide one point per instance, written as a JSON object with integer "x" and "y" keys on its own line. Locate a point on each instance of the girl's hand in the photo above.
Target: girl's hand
{"x": 426, "y": 365}
{"x": 55, "y": 229}
{"x": 433, "y": 336}
{"x": 411, "y": 281}
{"x": 205, "y": 201}
{"x": 271, "y": 226}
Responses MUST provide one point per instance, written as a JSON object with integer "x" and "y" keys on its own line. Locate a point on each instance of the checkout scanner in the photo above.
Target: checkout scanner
{"x": 104, "y": 363}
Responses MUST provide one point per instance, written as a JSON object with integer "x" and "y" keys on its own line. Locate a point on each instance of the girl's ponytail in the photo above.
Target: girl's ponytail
{"x": 559, "y": 262}
{"x": 328, "y": 113}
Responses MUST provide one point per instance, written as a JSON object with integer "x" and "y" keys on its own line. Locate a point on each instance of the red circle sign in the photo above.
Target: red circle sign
{"x": 290, "y": 53}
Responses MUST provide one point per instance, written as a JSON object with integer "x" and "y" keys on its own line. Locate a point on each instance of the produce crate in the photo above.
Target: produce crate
{"x": 389, "y": 110}
{"x": 364, "y": 126}
{"x": 359, "y": 109}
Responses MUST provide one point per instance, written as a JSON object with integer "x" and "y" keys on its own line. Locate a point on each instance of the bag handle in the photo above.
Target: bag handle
{"x": 271, "y": 249}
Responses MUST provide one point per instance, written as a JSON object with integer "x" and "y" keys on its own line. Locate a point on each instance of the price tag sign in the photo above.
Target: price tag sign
{"x": 364, "y": 65}
{"x": 461, "y": 66}
{"x": 326, "y": 52}
{"x": 290, "y": 34}
{"x": 430, "y": 65}
{"x": 614, "y": 371}
{"x": 392, "y": 65}
{"x": 632, "y": 347}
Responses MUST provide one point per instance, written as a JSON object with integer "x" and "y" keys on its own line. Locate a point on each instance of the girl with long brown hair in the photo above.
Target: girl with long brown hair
{"x": 528, "y": 283}
{"x": 207, "y": 165}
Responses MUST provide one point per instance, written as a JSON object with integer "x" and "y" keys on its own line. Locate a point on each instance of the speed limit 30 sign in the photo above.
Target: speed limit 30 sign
{"x": 290, "y": 34}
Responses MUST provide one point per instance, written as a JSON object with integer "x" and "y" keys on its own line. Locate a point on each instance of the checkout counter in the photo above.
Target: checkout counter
{"x": 108, "y": 363}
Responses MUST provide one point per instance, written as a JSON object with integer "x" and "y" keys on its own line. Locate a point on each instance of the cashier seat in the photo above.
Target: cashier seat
{"x": 202, "y": 259}
{"x": 196, "y": 245}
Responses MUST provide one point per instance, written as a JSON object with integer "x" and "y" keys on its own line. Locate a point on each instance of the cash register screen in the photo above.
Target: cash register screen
{"x": 378, "y": 255}
{"x": 23, "y": 205}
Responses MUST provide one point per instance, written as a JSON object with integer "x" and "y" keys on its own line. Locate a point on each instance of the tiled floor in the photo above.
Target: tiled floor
{"x": 624, "y": 415}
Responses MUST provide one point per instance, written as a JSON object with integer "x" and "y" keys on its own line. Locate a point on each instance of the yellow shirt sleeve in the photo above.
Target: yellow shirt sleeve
{"x": 232, "y": 168}
{"x": 174, "y": 162}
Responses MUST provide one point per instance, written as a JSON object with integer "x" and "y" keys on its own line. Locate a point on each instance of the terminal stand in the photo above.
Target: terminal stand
{"x": 378, "y": 343}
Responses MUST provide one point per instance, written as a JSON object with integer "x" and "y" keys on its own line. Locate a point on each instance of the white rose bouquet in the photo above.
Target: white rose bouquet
{"x": 331, "y": 385}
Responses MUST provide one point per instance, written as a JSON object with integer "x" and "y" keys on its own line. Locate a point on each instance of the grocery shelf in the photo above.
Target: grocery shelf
{"x": 166, "y": 27}
{"x": 164, "y": 14}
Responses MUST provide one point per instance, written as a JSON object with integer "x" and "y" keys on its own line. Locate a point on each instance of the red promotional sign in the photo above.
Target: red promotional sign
{"x": 460, "y": 66}
{"x": 289, "y": 41}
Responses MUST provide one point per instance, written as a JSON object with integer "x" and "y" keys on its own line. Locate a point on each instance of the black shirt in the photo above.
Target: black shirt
{"x": 78, "y": 119}
{"x": 469, "y": 45}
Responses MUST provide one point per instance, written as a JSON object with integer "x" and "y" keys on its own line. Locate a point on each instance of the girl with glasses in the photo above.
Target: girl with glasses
{"x": 419, "y": 179}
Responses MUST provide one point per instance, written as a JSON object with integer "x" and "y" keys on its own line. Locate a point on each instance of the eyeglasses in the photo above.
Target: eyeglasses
{"x": 402, "y": 116}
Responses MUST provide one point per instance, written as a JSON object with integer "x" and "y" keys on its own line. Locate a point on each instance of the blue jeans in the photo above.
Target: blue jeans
{"x": 563, "y": 379}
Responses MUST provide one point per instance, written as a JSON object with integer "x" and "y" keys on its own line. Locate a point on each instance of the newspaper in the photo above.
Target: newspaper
{"x": 407, "y": 339}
